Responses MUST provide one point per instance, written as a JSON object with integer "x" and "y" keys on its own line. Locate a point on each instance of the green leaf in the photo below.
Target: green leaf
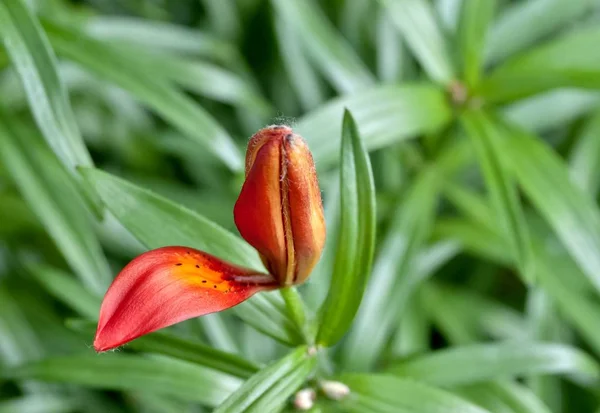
{"x": 582, "y": 311}
{"x": 37, "y": 403}
{"x": 19, "y": 341}
{"x": 392, "y": 55}
{"x": 524, "y": 23}
{"x": 205, "y": 79}
{"x": 503, "y": 193}
{"x": 475, "y": 17}
{"x": 302, "y": 76}
{"x": 483, "y": 362}
{"x": 546, "y": 67}
{"x": 545, "y": 324}
{"x": 160, "y": 375}
{"x": 394, "y": 277}
{"x": 160, "y": 35}
{"x": 503, "y": 397}
{"x": 65, "y": 288}
{"x": 384, "y": 115}
{"x": 356, "y": 240}
{"x": 51, "y": 194}
{"x": 138, "y": 209}
{"x": 571, "y": 213}
{"x": 584, "y": 158}
{"x": 471, "y": 204}
{"x": 376, "y": 393}
{"x": 413, "y": 332}
{"x": 269, "y": 389}
{"x": 474, "y": 238}
{"x": 449, "y": 14}
{"x": 452, "y": 311}
{"x": 412, "y": 336}
{"x": 417, "y": 22}
{"x": 36, "y": 64}
{"x": 157, "y": 92}
{"x": 182, "y": 349}
{"x": 330, "y": 51}
{"x": 552, "y": 109}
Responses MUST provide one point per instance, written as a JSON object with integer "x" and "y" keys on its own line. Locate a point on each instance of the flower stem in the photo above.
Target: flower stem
{"x": 295, "y": 307}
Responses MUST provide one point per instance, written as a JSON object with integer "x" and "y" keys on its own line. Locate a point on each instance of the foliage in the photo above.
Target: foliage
{"x": 458, "y": 148}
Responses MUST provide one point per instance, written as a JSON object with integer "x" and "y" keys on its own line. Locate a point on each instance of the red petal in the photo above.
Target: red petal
{"x": 168, "y": 285}
{"x": 257, "y": 211}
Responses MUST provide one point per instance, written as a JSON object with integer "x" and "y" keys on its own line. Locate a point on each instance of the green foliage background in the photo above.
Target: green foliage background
{"x": 462, "y": 266}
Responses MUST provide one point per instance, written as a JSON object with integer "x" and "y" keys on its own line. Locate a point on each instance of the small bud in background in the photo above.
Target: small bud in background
{"x": 334, "y": 389}
{"x": 279, "y": 210}
{"x": 305, "y": 399}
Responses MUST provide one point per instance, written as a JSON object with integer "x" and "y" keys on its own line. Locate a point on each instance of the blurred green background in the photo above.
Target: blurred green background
{"x": 123, "y": 125}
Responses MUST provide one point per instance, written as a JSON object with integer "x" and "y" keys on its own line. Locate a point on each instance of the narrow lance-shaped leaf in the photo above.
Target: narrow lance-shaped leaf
{"x": 379, "y": 393}
{"x": 484, "y": 362}
{"x": 545, "y": 325}
{"x": 572, "y": 214}
{"x": 160, "y": 375}
{"x": 53, "y": 197}
{"x": 34, "y": 60}
{"x": 39, "y": 403}
{"x": 449, "y": 13}
{"x": 160, "y": 35}
{"x": 203, "y": 78}
{"x": 269, "y": 389}
{"x": 416, "y": 21}
{"x": 135, "y": 208}
{"x": 413, "y": 332}
{"x": 182, "y": 349}
{"x": 503, "y": 193}
{"x": 524, "y": 23}
{"x": 475, "y": 238}
{"x": 155, "y": 91}
{"x": 581, "y": 311}
{"x": 545, "y": 67}
{"x": 584, "y": 158}
{"x": 549, "y": 110}
{"x": 356, "y": 240}
{"x": 471, "y": 204}
{"x": 68, "y": 290}
{"x": 303, "y": 77}
{"x": 505, "y": 396}
{"x": 384, "y": 115}
{"x": 493, "y": 318}
{"x": 392, "y": 55}
{"x": 475, "y": 17}
{"x": 394, "y": 277}
{"x": 344, "y": 69}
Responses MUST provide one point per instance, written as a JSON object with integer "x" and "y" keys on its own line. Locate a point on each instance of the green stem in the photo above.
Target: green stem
{"x": 295, "y": 307}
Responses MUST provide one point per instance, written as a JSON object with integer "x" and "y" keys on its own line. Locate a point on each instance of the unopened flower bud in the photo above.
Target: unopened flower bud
{"x": 305, "y": 399}
{"x": 334, "y": 390}
{"x": 279, "y": 211}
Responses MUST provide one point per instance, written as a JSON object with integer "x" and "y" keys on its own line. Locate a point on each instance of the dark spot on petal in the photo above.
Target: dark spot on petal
{"x": 178, "y": 264}
{"x": 197, "y": 266}
{"x": 214, "y": 286}
{"x": 203, "y": 281}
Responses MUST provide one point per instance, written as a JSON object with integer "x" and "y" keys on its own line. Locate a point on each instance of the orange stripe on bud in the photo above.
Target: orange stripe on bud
{"x": 279, "y": 210}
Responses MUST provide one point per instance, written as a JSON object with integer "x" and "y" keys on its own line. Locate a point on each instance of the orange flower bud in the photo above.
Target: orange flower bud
{"x": 279, "y": 210}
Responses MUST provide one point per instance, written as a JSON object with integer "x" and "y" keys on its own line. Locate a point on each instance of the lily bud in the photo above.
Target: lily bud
{"x": 279, "y": 211}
